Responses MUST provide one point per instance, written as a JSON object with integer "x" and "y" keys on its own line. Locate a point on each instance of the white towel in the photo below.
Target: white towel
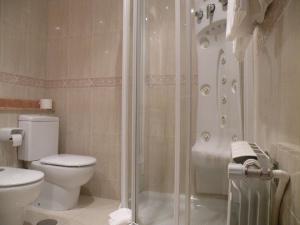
{"x": 237, "y": 18}
{"x": 120, "y": 221}
{"x": 120, "y": 212}
{"x": 122, "y": 216}
{"x": 242, "y": 17}
{"x": 263, "y": 4}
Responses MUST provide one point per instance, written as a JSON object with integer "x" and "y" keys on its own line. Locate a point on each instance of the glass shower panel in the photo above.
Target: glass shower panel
{"x": 216, "y": 112}
{"x": 186, "y": 112}
{"x": 155, "y": 113}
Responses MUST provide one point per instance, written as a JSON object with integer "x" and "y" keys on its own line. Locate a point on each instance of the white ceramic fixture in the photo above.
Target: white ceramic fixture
{"x": 18, "y": 188}
{"x": 64, "y": 174}
{"x": 219, "y": 115}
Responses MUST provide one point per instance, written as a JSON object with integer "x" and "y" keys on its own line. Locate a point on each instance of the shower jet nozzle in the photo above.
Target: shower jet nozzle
{"x": 199, "y": 15}
{"x": 224, "y": 2}
{"x": 210, "y": 10}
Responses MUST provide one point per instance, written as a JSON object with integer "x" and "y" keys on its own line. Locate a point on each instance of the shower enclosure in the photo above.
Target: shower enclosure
{"x": 181, "y": 110}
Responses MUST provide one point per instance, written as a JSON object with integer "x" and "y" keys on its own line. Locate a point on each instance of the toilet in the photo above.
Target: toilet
{"x": 18, "y": 189}
{"x": 64, "y": 173}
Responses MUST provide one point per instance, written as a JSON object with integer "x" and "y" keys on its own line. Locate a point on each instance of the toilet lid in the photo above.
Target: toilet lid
{"x": 12, "y": 177}
{"x": 66, "y": 160}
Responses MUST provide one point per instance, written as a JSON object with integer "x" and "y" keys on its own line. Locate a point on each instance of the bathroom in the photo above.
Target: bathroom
{"x": 145, "y": 99}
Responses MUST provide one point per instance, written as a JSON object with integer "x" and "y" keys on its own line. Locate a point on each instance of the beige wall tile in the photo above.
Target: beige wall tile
{"x": 57, "y": 60}
{"x": 106, "y": 111}
{"x": 107, "y": 16}
{"x": 277, "y": 99}
{"x": 288, "y": 156}
{"x": 88, "y": 44}
{"x": 35, "y": 56}
{"x": 58, "y": 18}
{"x": 79, "y": 57}
{"x": 80, "y": 18}
{"x": 38, "y": 19}
{"x": 23, "y": 33}
{"x": 75, "y": 39}
{"x": 14, "y": 54}
{"x": 107, "y": 54}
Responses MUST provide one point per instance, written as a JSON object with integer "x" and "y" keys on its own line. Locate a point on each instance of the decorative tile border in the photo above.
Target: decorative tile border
{"x": 85, "y": 83}
{"x": 63, "y": 83}
{"x": 21, "y": 80}
{"x": 116, "y": 81}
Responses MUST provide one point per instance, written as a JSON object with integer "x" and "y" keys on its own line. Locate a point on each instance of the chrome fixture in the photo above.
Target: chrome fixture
{"x": 224, "y": 80}
{"x": 224, "y": 100}
{"x": 234, "y": 86}
{"x": 210, "y": 10}
{"x": 205, "y": 136}
{"x": 224, "y": 3}
{"x": 199, "y": 15}
{"x": 204, "y": 42}
{"x": 205, "y": 89}
{"x": 223, "y": 121}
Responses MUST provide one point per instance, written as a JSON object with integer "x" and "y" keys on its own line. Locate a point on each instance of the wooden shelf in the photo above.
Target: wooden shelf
{"x": 7, "y": 104}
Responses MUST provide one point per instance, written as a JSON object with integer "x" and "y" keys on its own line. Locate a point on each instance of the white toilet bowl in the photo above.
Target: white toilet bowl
{"x": 64, "y": 175}
{"x": 18, "y": 189}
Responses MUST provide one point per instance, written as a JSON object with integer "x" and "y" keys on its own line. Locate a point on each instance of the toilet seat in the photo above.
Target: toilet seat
{"x": 67, "y": 160}
{"x": 15, "y": 177}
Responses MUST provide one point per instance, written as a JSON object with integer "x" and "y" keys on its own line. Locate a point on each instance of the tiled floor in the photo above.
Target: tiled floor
{"x": 90, "y": 211}
{"x": 154, "y": 209}
{"x": 157, "y": 209}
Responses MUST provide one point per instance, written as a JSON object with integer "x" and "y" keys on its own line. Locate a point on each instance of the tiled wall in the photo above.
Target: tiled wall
{"x": 68, "y": 50}
{"x": 84, "y": 78}
{"x": 77, "y": 62}
{"x": 23, "y": 33}
{"x": 277, "y": 99}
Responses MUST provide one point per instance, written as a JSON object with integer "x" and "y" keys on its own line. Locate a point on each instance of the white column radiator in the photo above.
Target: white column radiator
{"x": 255, "y": 190}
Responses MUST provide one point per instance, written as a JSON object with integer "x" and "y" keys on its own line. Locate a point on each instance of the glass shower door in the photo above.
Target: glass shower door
{"x": 161, "y": 94}
{"x": 154, "y": 111}
{"x": 185, "y": 89}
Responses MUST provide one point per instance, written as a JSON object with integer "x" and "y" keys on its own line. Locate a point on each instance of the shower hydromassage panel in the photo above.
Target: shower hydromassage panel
{"x": 219, "y": 105}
